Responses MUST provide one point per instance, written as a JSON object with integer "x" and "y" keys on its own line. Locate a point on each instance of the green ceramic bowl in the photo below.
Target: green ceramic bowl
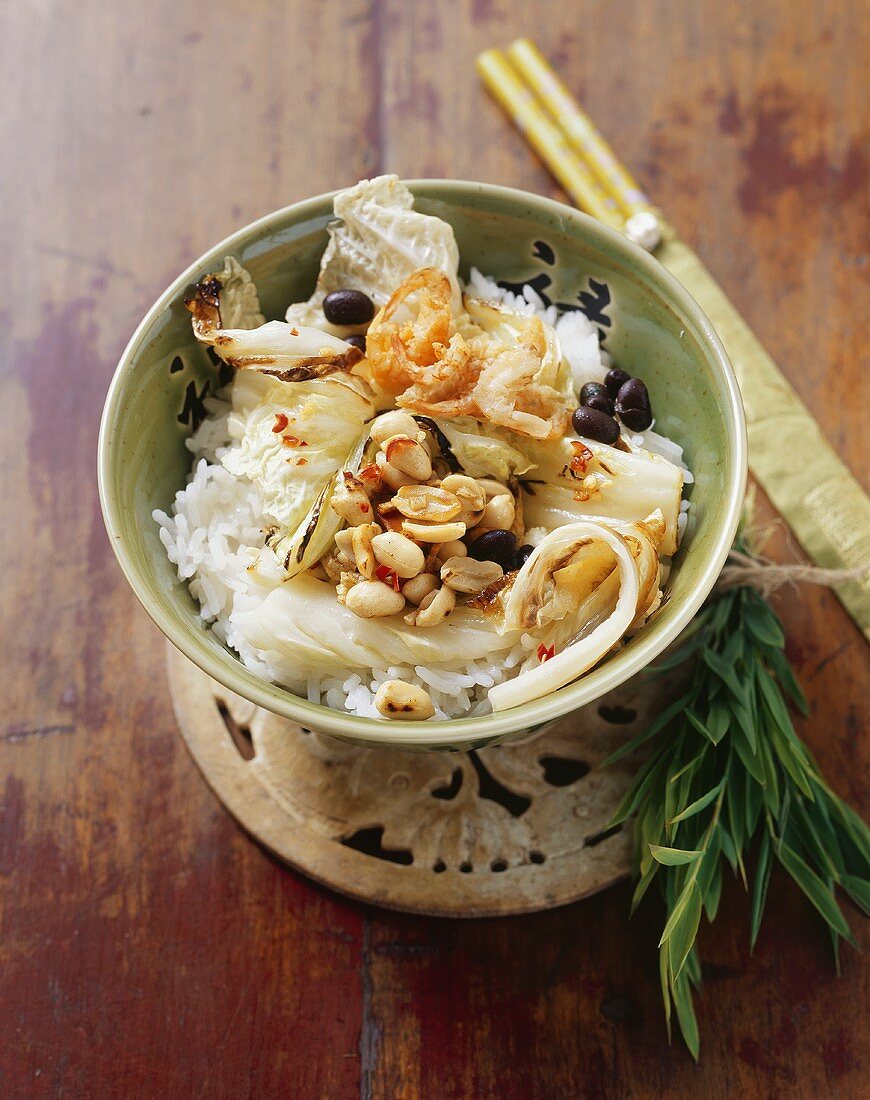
{"x": 652, "y": 327}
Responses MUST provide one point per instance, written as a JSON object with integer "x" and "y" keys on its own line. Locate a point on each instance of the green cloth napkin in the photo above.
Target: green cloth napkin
{"x": 789, "y": 457}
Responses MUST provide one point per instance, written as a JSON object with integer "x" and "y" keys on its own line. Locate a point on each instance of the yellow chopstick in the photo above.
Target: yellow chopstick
{"x": 546, "y": 139}
{"x": 579, "y": 128}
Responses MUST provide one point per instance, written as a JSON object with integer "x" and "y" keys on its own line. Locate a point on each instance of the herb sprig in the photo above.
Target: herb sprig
{"x": 725, "y": 766}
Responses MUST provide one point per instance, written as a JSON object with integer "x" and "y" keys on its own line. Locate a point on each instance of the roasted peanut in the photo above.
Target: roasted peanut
{"x": 427, "y": 503}
{"x": 399, "y": 553}
{"x": 390, "y": 476}
{"x": 395, "y": 423}
{"x": 418, "y": 588}
{"x": 467, "y": 489}
{"x": 344, "y": 542}
{"x": 433, "y": 532}
{"x": 408, "y": 457}
{"x": 499, "y": 513}
{"x": 433, "y": 608}
{"x": 491, "y": 487}
{"x": 470, "y": 494}
{"x": 346, "y": 581}
{"x": 455, "y": 549}
{"x": 350, "y": 500}
{"x": 469, "y": 575}
{"x": 373, "y": 599}
{"x": 363, "y": 554}
{"x": 396, "y": 699}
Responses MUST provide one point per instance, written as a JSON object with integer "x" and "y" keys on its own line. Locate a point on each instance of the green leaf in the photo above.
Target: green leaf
{"x": 764, "y": 625}
{"x": 682, "y": 994}
{"x": 682, "y": 937}
{"x": 732, "y": 654}
{"x": 829, "y": 836}
{"x": 643, "y": 884}
{"x": 806, "y": 827}
{"x": 771, "y": 782}
{"x": 771, "y": 694}
{"x": 658, "y": 724}
{"x": 747, "y": 722}
{"x": 721, "y": 610}
{"x": 774, "y": 702}
{"x": 638, "y": 791}
{"x": 695, "y": 721}
{"x": 710, "y": 862}
{"x": 853, "y": 829}
{"x": 787, "y": 680}
{"x": 698, "y": 805}
{"x": 759, "y": 888}
{"x": 690, "y": 767}
{"x": 792, "y": 764}
{"x": 650, "y": 828}
{"x": 673, "y": 660}
{"x": 713, "y": 893}
{"x": 725, "y": 673}
{"x": 693, "y": 968}
{"x": 753, "y": 801}
{"x": 665, "y": 980}
{"x": 858, "y": 890}
{"x": 815, "y": 889}
{"x": 749, "y": 760}
{"x": 676, "y": 913}
{"x": 728, "y": 849}
{"x": 718, "y": 722}
{"x": 673, "y": 857}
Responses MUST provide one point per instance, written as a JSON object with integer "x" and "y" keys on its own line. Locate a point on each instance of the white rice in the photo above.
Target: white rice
{"x": 215, "y": 532}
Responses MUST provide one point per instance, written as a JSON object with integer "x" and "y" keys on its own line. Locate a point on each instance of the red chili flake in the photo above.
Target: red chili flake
{"x": 388, "y": 576}
{"x": 582, "y": 457}
{"x": 281, "y": 423}
{"x": 301, "y": 461}
{"x": 293, "y": 441}
{"x": 581, "y": 495}
{"x": 370, "y": 473}
{"x": 545, "y": 654}
{"x": 365, "y": 507}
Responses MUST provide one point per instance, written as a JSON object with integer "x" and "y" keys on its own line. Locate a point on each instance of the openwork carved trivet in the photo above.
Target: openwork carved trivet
{"x": 509, "y": 829}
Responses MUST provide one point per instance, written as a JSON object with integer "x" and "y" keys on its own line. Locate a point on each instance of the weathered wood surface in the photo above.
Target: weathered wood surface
{"x": 147, "y": 947}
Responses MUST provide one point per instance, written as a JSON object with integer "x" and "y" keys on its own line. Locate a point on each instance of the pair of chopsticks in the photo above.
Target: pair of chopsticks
{"x": 829, "y": 512}
{"x": 567, "y": 140}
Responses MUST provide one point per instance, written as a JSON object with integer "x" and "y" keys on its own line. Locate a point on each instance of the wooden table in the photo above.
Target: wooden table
{"x": 147, "y": 947}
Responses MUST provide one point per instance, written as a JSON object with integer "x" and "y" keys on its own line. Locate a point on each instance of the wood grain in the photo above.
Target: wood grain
{"x": 147, "y": 948}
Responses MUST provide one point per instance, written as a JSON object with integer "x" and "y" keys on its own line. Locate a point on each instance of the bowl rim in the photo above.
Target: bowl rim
{"x": 454, "y": 733}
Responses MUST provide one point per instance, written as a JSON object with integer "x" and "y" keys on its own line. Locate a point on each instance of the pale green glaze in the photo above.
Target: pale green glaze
{"x": 658, "y": 333}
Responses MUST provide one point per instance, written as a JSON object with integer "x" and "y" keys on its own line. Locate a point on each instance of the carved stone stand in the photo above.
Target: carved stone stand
{"x": 509, "y": 829}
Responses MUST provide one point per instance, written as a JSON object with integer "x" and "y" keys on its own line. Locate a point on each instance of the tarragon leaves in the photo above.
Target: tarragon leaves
{"x": 673, "y": 857}
{"x": 725, "y": 772}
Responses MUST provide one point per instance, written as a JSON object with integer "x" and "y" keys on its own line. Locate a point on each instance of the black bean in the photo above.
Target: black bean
{"x": 592, "y": 389}
{"x": 603, "y": 404}
{"x": 632, "y": 404}
{"x": 348, "y": 307}
{"x": 614, "y": 379}
{"x": 523, "y": 555}
{"x": 595, "y": 424}
{"x": 497, "y": 545}
{"x": 358, "y": 341}
{"x": 595, "y": 396}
